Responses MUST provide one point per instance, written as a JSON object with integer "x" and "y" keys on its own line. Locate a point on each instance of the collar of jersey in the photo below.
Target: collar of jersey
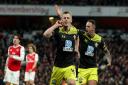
{"x": 96, "y": 37}
{"x": 72, "y": 30}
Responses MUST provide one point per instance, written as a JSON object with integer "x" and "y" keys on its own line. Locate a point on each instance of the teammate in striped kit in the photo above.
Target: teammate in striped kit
{"x": 31, "y": 62}
{"x": 16, "y": 54}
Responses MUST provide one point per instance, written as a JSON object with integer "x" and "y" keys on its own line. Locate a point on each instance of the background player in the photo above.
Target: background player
{"x": 31, "y": 63}
{"x": 16, "y": 53}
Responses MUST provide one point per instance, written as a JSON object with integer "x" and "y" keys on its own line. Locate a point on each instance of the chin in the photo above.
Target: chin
{"x": 65, "y": 25}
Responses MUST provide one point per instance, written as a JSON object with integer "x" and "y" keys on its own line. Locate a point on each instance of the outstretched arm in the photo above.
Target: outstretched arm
{"x": 107, "y": 53}
{"x": 77, "y": 46}
{"x": 58, "y": 10}
{"x": 108, "y": 56}
{"x": 105, "y": 50}
{"x": 77, "y": 56}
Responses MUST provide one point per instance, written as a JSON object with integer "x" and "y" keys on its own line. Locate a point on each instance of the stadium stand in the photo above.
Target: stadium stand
{"x": 69, "y": 2}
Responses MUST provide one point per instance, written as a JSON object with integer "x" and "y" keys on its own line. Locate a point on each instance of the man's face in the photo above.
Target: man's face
{"x": 67, "y": 19}
{"x": 90, "y": 28}
{"x": 16, "y": 40}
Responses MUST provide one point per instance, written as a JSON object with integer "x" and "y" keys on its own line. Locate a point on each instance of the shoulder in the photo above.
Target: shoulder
{"x": 80, "y": 31}
{"x": 27, "y": 54}
{"x": 22, "y": 47}
{"x": 36, "y": 54}
{"x": 10, "y": 47}
{"x": 98, "y": 38}
{"x": 74, "y": 30}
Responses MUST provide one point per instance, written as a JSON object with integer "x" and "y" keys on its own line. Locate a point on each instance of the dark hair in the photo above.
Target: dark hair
{"x": 18, "y": 35}
{"x": 92, "y": 21}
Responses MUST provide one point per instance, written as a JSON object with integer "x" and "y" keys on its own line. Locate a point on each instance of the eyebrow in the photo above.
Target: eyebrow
{"x": 87, "y": 26}
{"x": 16, "y": 38}
{"x": 66, "y": 17}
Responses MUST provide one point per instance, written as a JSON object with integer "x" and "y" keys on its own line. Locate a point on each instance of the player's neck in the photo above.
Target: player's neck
{"x": 31, "y": 52}
{"x": 15, "y": 45}
{"x": 91, "y": 35}
{"x": 67, "y": 28}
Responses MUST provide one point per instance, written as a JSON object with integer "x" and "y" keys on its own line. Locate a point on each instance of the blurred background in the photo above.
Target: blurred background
{"x": 30, "y": 18}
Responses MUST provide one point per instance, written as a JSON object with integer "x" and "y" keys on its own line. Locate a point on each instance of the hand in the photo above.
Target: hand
{"x": 109, "y": 64}
{"x": 58, "y": 23}
{"x": 58, "y": 10}
{"x": 30, "y": 70}
{"x": 78, "y": 54}
{"x": 5, "y": 69}
{"x": 11, "y": 56}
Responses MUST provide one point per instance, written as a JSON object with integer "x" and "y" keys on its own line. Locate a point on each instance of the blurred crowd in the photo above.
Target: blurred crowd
{"x": 69, "y": 2}
{"x": 117, "y": 74}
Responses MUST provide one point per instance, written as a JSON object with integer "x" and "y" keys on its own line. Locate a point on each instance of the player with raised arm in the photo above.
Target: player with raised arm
{"x": 59, "y": 12}
{"x": 66, "y": 39}
{"x": 90, "y": 42}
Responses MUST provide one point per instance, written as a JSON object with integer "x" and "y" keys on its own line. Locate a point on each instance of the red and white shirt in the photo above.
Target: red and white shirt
{"x": 31, "y": 59}
{"x": 18, "y": 53}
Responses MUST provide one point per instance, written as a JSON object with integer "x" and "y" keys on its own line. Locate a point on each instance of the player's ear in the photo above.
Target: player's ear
{"x": 94, "y": 26}
{"x": 19, "y": 41}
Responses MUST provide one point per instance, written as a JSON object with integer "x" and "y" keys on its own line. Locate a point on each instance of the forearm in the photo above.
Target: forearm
{"x": 19, "y": 58}
{"x": 77, "y": 62}
{"x": 6, "y": 64}
{"x": 49, "y": 31}
{"x": 34, "y": 65}
{"x": 36, "y": 60}
{"x": 108, "y": 57}
{"x": 77, "y": 46}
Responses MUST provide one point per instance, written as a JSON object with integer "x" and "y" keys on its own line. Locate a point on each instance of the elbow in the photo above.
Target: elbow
{"x": 22, "y": 59}
{"x": 46, "y": 35}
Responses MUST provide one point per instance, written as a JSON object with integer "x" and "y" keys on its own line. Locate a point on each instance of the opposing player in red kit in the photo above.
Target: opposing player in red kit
{"x": 31, "y": 63}
{"x": 16, "y": 53}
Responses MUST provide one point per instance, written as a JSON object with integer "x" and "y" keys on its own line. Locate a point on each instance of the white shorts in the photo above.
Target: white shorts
{"x": 29, "y": 76}
{"x": 12, "y": 76}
